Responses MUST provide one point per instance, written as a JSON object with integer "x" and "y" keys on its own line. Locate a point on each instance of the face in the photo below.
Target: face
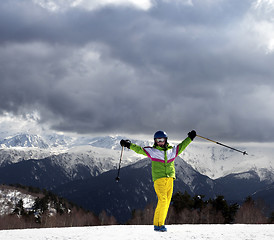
{"x": 160, "y": 141}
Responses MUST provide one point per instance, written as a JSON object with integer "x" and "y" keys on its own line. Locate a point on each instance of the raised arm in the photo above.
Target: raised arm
{"x": 188, "y": 140}
{"x": 132, "y": 146}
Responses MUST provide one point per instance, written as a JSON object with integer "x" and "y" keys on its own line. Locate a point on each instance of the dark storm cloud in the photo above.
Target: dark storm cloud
{"x": 175, "y": 67}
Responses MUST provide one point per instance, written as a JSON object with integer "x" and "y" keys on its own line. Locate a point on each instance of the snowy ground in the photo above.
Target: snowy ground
{"x": 186, "y": 232}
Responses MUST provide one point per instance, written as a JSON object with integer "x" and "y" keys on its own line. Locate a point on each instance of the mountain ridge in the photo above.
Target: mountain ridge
{"x": 207, "y": 158}
{"x": 90, "y": 164}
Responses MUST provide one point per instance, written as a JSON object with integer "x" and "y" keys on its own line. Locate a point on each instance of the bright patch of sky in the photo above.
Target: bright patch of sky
{"x": 11, "y": 124}
{"x": 262, "y": 18}
{"x": 60, "y": 5}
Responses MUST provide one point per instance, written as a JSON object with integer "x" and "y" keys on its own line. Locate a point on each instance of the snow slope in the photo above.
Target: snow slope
{"x": 131, "y": 232}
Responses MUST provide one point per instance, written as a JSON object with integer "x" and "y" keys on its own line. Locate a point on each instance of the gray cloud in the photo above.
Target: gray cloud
{"x": 117, "y": 69}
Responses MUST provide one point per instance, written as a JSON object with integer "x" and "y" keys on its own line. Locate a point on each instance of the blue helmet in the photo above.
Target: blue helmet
{"x": 160, "y": 134}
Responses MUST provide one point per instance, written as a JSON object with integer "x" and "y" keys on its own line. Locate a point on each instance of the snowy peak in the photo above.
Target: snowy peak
{"x": 36, "y": 141}
{"x": 24, "y": 140}
{"x": 110, "y": 142}
{"x": 57, "y": 140}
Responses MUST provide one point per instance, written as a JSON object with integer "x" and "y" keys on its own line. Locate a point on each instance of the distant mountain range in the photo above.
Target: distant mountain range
{"x": 207, "y": 158}
{"x": 84, "y": 170}
{"x": 24, "y": 140}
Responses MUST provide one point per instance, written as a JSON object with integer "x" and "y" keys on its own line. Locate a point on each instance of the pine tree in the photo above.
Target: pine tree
{"x": 181, "y": 201}
{"x": 19, "y": 208}
{"x": 271, "y": 218}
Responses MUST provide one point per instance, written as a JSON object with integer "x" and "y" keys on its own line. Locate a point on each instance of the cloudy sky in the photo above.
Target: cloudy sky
{"x": 137, "y": 66}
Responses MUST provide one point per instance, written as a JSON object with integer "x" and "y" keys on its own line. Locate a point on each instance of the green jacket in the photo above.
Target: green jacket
{"x": 162, "y": 159}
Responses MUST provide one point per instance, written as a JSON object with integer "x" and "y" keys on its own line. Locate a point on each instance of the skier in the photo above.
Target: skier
{"x": 162, "y": 157}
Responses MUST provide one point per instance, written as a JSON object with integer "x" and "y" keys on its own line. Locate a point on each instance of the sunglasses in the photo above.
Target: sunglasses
{"x": 160, "y": 139}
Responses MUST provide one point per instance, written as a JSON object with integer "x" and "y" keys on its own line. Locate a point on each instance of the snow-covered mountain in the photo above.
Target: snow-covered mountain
{"x": 207, "y": 158}
{"x": 63, "y": 141}
{"x": 101, "y": 159}
{"x": 14, "y": 155}
{"x": 71, "y": 165}
{"x": 98, "y": 154}
{"x": 58, "y": 140}
{"x": 113, "y": 142}
{"x": 79, "y": 162}
{"x": 216, "y": 161}
{"x": 37, "y": 141}
{"x": 24, "y": 140}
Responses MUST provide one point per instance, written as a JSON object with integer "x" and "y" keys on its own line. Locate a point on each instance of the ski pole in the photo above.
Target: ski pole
{"x": 244, "y": 153}
{"x": 118, "y": 174}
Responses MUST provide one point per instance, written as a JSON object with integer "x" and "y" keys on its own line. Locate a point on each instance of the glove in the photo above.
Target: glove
{"x": 192, "y": 134}
{"x": 125, "y": 143}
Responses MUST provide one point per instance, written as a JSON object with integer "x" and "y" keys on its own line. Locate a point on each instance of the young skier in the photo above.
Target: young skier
{"x": 162, "y": 157}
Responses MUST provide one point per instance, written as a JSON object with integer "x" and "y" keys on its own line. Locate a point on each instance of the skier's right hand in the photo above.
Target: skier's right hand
{"x": 125, "y": 143}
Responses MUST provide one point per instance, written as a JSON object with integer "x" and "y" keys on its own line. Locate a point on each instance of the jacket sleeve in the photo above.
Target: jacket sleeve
{"x": 183, "y": 145}
{"x": 137, "y": 149}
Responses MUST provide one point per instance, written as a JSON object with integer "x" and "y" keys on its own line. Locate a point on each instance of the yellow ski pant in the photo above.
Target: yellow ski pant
{"x": 164, "y": 189}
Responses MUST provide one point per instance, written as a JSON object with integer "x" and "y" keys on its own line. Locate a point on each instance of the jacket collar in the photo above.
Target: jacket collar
{"x": 167, "y": 146}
